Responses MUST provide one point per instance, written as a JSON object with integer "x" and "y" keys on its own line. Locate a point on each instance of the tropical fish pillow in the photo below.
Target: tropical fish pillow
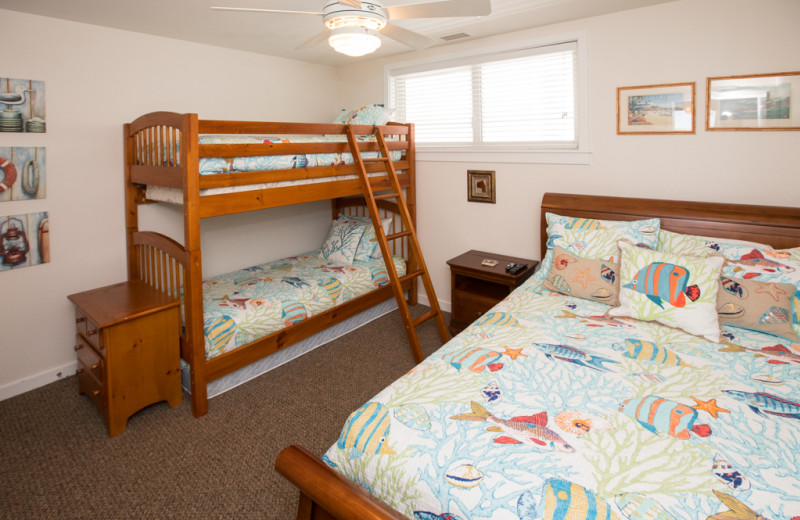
{"x": 765, "y": 265}
{"x": 755, "y": 305}
{"x": 342, "y": 242}
{"x": 585, "y": 278}
{"x": 678, "y": 291}
{"x": 694, "y": 245}
{"x": 368, "y": 246}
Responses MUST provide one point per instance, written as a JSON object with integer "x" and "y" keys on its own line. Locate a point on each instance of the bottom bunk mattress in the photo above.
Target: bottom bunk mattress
{"x": 246, "y": 305}
{"x": 544, "y": 408}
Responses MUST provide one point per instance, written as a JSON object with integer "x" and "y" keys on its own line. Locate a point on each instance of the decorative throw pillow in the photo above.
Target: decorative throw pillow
{"x": 765, "y": 265}
{"x": 368, "y": 246}
{"x": 342, "y": 117}
{"x": 679, "y": 291}
{"x": 694, "y": 245}
{"x": 370, "y": 115}
{"x": 583, "y": 277}
{"x": 755, "y": 305}
{"x": 342, "y": 241}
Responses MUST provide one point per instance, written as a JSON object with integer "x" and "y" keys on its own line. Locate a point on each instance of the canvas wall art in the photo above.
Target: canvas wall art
{"x": 24, "y": 240}
{"x": 22, "y": 173}
{"x": 22, "y": 105}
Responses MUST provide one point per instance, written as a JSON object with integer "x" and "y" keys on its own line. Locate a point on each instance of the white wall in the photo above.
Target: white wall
{"x": 96, "y": 79}
{"x": 681, "y": 41}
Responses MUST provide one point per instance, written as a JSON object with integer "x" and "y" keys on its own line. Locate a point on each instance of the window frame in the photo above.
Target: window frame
{"x": 539, "y": 153}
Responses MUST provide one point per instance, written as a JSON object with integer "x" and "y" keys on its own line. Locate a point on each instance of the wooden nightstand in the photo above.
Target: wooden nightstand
{"x": 128, "y": 346}
{"x": 477, "y": 288}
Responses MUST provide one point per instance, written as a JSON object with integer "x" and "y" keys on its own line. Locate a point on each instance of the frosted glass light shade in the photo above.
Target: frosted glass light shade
{"x": 354, "y": 41}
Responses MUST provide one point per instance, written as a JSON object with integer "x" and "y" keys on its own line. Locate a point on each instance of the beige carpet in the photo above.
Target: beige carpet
{"x": 57, "y": 461}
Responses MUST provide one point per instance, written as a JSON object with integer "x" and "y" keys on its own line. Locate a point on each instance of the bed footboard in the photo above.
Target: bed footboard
{"x": 325, "y": 494}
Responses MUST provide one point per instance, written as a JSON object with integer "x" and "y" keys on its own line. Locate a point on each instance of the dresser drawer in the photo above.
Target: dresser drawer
{"x": 89, "y": 330}
{"x": 89, "y": 385}
{"x": 88, "y": 359}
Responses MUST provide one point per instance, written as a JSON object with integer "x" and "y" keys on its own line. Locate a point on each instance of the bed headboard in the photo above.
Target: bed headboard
{"x": 775, "y": 225}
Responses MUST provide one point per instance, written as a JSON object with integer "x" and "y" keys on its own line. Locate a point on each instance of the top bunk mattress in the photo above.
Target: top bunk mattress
{"x": 223, "y": 165}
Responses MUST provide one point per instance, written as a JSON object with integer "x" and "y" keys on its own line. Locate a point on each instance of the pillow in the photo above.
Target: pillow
{"x": 679, "y": 291}
{"x": 755, "y": 305}
{"x": 342, "y": 242}
{"x": 365, "y": 115}
{"x": 765, "y": 265}
{"x": 694, "y": 245}
{"x": 585, "y": 278}
{"x": 368, "y": 246}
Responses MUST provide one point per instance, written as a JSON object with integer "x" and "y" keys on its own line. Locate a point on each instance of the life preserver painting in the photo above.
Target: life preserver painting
{"x": 22, "y": 173}
{"x": 22, "y": 105}
{"x": 24, "y": 240}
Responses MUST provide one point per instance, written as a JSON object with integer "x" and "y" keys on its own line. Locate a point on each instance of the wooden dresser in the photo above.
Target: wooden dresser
{"x": 128, "y": 346}
{"x": 476, "y": 288}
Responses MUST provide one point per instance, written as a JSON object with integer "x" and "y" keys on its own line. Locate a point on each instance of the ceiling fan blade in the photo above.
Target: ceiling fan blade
{"x": 406, "y": 37}
{"x": 354, "y": 3}
{"x": 441, "y": 9}
{"x": 254, "y": 10}
{"x": 313, "y": 42}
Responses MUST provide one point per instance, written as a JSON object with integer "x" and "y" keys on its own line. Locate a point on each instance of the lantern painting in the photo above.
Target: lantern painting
{"x": 24, "y": 240}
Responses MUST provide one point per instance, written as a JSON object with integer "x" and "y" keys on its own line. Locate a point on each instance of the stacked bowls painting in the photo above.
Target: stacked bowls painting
{"x": 11, "y": 121}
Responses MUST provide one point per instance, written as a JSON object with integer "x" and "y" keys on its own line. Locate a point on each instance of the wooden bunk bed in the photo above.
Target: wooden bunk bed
{"x": 163, "y": 149}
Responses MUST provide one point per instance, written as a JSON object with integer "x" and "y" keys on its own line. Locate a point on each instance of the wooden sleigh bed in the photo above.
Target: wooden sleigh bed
{"x": 163, "y": 150}
{"x": 325, "y": 493}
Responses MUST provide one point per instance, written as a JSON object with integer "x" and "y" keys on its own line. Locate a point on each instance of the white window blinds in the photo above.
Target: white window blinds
{"x": 521, "y": 98}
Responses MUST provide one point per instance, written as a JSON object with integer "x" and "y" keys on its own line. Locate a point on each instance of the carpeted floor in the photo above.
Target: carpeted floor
{"x": 57, "y": 461}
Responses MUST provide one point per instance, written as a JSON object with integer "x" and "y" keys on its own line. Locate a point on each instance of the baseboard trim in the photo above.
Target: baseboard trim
{"x": 26, "y": 384}
{"x": 423, "y": 299}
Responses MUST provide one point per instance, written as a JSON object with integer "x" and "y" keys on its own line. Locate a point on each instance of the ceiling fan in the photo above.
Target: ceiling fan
{"x": 353, "y": 25}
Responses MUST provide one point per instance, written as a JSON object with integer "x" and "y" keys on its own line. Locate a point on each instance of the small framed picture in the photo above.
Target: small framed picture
{"x": 754, "y": 102}
{"x": 480, "y": 186}
{"x": 656, "y": 109}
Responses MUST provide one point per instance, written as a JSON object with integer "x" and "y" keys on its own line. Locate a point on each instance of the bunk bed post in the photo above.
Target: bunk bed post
{"x": 131, "y": 204}
{"x": 411, "y": 203}
{"x": 193, "y": 303}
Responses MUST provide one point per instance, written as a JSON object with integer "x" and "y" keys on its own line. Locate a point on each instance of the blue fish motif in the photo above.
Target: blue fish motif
{"x": 574, "y": 355}
{"x": 584, "y": 224}
{"x": 332, "y": 287}
{"x": 761, "y": 403}
{"x": 367, "y": 431}
{"x": 498, "y": 319}
{"x": 293, "y": 312}
{"x": 476, "y": 359}
{"x": 565, "y": 500}
{"x": 379, "y": 276}
{"x": 295, "y": 281}
{"x": 649, "y": 351}
{"x": 219, "y": 331}
{"x": 660, "y": 281}
{"x": 657, "y": 414}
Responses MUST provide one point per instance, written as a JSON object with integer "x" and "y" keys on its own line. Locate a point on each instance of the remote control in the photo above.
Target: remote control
{"x": 514, "y": 268}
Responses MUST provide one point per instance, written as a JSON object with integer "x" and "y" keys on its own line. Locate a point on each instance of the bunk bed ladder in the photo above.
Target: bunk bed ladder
{"x": 395, "y": 192}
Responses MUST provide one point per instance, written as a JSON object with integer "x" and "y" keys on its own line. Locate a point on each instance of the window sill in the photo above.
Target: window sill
{"x": 510, "y": 156}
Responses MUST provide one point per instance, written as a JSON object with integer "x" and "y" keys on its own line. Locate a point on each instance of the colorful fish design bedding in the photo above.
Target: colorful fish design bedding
{"x": 545, "y": 408}
{"x": 245, "y": 305}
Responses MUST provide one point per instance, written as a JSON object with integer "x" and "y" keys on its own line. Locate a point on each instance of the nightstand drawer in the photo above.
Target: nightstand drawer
{"x": 88, "y": 359}
{"x": 89, "y": 385}
{"x": 89, "y": 330}
{"x": 468, "y": 309}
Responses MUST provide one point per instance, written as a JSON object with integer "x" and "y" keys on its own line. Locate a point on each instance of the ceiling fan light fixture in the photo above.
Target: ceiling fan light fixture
{"x": 370, "y": 21}
{"x": 354, "y": 41}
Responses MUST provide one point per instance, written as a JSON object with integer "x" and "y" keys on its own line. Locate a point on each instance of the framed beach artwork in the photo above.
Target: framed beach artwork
{"x": 480, "y": 186}
{"x": 754, "y": 102}
{"x": 24, "y": 240}
{"x": 656, "y": 109}
{"x": 22, "y": 105}
{"x": 22, "y": 173}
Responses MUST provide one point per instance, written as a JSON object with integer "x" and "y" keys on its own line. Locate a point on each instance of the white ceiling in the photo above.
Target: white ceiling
{"x": 280, "y": 34}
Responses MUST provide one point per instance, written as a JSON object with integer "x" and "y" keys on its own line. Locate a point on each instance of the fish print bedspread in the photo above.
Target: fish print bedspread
{"x": 545, "y": 409}
{"x": 245, "y": 305}
{"x": 212, "y": 165}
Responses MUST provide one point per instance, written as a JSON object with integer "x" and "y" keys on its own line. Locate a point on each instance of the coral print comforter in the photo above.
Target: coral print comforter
{"x": 245, "y": 305}
{"x": 547, "y": 408}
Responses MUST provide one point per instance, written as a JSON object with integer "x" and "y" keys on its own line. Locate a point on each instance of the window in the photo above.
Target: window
{"x": 525, "y": 99}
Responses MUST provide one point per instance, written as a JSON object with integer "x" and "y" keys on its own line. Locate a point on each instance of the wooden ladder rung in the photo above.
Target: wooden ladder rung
{"x": 425, "y": 317}
{"x": 411, "y": 276}
{"x": 398, "y": 235}
{"x": 387, "y": 196}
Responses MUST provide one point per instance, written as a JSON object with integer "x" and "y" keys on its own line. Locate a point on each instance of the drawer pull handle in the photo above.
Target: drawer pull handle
{"x": 80, "y": 320}
{"x": 95, "y": 392}
{"x": 92, "y": 332}
{"x": 78, "y": 347}
{"x": 94, "y": 367}
{"x": 79, "y": 371}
